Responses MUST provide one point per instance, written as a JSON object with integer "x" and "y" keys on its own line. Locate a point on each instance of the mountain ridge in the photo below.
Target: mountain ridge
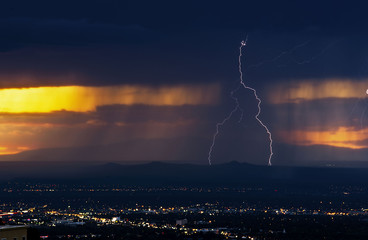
{"x": 184, "y": 173}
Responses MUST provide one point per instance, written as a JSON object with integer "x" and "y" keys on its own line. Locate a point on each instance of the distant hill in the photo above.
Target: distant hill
{"x": 170, "y": 173}
{"x": 191, "y": 150}
{"x": 140, "y": 150}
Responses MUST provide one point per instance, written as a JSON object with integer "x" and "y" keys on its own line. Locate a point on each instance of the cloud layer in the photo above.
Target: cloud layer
{"x": 84, "y": 99}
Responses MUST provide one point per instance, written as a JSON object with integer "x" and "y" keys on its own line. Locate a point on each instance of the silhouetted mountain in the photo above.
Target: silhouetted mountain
{"x": 139, "y": 150}
{"x": 159, "y": 173}
{"x": 190, "y": 150}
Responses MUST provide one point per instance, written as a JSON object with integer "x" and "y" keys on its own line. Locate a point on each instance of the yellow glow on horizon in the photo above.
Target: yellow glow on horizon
{"x": 9, "y": 152}
{"x": 342, "y": 137}
{"x": 12, "y": 150}
{"x": 86, "y": 99}
{"x": 316, "y": 89}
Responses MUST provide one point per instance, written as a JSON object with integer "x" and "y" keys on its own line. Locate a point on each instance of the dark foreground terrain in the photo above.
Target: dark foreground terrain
{"x": 182, "y": 201}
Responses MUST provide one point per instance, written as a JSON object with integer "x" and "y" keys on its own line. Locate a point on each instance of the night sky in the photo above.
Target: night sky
{"x": 138, "y": 81}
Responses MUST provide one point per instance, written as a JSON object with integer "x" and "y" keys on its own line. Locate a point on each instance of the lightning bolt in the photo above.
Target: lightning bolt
{"x": 237, "y": 107}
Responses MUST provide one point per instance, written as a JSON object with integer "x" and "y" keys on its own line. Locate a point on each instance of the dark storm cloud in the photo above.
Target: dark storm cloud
{"x": 110, "y": 42}
{"x": 209, "y": 57}
{"x": 30, "y": 32}
{"x": 107, "y": 125}
{"x": 150, "y": 43}
{"x": 115, "y": 115}
{"x": 292, "y": 57}
{"x": 142, "y": 113}
{"x": 330, "y": 16}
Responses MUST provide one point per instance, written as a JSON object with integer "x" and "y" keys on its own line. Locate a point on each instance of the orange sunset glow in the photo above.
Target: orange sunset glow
{"x": 316, "y": 89}
{"x": 12, "y": 150}
{"x": 85, "y": 99}
{"x": 342, "y": 137}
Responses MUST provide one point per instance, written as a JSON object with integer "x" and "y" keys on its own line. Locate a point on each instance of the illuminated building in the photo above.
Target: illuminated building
{"x": 181, "y": 222}
{"x": 9, "y": 232}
